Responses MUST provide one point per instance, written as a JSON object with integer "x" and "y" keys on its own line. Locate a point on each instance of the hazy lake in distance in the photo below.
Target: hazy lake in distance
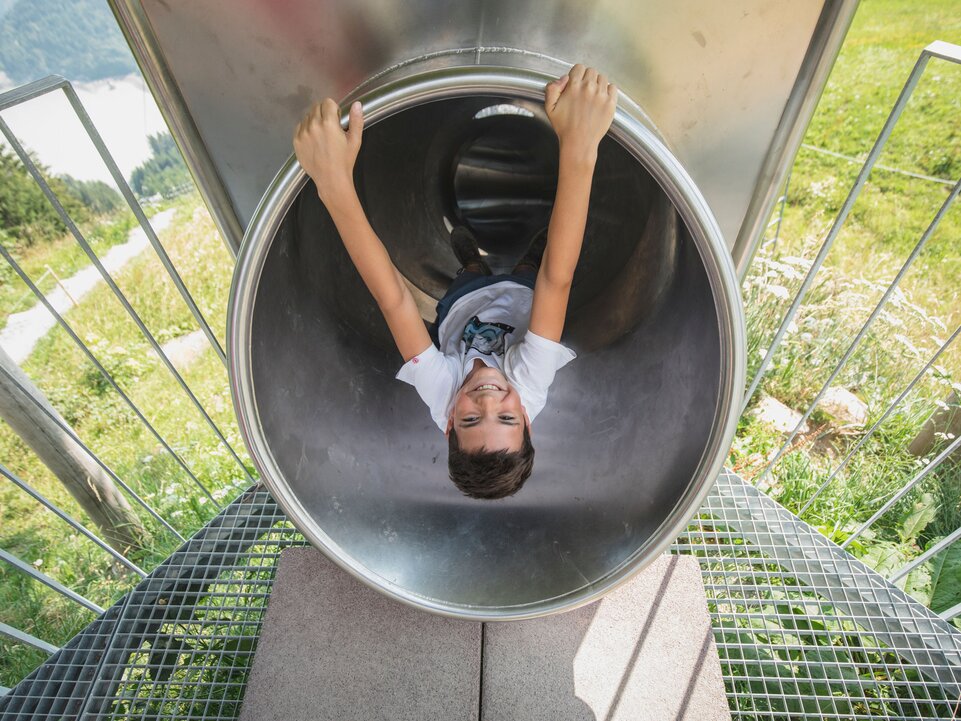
{"x": 122, "y": 109}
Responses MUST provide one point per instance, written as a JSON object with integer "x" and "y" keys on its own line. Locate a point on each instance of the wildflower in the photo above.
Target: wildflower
{"x": 906, "y": 342}
{"x": 794, "y": 260}
{"x": 778, "y": 291}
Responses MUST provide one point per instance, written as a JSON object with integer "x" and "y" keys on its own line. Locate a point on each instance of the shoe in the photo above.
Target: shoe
{"x": 464, "y": 245}
{"x": 531, "y": 259}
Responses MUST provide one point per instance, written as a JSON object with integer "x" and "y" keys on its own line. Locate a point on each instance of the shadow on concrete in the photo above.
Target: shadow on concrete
{"x": 330, "y": 646}
{"x": 702, "y": 656}
{"x": 527, "y": 669}
{"x": 644, "y": 651}
{"x": 639, "y": 645}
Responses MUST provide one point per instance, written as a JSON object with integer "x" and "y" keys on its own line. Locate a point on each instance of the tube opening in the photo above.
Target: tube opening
{"x": 353, "y": 454}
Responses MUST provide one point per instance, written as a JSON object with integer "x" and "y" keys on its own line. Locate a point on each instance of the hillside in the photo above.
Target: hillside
{"x": 79, "y": 40}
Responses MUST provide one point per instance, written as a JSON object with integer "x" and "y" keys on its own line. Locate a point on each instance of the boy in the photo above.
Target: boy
{"x": 497, "y": 335}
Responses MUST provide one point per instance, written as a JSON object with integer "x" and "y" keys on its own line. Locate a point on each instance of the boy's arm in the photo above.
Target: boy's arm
{"x": 580, "y": 106}
{"x": 328, "y": 154}
{"x": 380, "y": 276}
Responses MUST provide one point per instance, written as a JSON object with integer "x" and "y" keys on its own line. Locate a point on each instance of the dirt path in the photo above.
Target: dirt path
{"x": 185, "y": 349}
{"x": 25, "y": 329}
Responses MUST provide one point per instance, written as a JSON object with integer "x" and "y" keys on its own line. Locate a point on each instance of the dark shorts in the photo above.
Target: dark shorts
{"x": 467, "y": 282}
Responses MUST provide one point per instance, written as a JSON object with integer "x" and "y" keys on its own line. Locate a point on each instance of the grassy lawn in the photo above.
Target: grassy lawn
{"x": 63, "y": 257}
{"x": 101, "y": 418}
{"x": 887, "y": 221}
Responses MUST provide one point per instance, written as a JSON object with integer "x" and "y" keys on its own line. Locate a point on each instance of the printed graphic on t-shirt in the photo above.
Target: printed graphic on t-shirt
{"x": 487, "y": 338}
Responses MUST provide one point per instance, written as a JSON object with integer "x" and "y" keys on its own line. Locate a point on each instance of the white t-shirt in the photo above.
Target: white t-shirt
{"x": 489, "y": 323}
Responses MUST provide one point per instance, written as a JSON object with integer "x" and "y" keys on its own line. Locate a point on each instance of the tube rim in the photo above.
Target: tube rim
{"x": 633, "y": 131}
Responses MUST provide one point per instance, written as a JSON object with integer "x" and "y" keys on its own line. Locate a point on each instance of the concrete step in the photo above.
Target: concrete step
{"x": 332, "y": 648}
{"x": 645, "y": 651}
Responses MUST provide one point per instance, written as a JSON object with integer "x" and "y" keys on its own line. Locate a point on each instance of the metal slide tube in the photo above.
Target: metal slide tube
{"x": 636, "y": 429}
{"x": 71, "y": 226}
{"x": 833, "y": 24}
{"x": 702, "y": 69}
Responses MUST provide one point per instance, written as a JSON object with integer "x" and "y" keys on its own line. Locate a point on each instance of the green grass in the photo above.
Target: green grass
{"x": 885, "y": 223}
{"x": 882, "y": 46}
{"x": 113, "y": 431}
{"x": 64, "y": 257}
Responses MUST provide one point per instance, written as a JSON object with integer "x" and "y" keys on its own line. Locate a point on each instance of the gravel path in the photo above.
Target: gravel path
{"x": 24, "y": 330}
{"x": 185, "y": 349}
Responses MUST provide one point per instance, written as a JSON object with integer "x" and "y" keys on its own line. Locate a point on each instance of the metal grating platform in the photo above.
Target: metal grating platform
{"x": 804, "y": 631}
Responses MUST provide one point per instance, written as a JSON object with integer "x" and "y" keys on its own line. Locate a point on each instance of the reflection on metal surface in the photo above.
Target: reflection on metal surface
{"x": 500, "y": 171}
{"x": 825, "y": 44}
{"x": 729, "y": 85}
{"x": 635, "y": 430}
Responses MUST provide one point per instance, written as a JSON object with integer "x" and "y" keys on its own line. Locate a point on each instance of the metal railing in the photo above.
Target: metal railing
{"x": 952, "y": 54}
{"x": 8, "y": 100}
{"x": 939, "y": 50}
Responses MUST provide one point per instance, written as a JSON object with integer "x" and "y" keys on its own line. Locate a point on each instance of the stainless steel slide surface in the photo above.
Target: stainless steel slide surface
{"x": 714, "y": 99}
{"x": 729, "y": 85}
{"x": 635, "y": 429}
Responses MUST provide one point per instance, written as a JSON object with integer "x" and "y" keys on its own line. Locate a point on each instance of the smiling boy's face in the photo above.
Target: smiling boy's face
{"x": 488, "y": 413}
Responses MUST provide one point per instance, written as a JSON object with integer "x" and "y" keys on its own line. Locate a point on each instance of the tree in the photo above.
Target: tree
{"x": 164, "y": 173}
{"x": 98, "y": 197}
{"x": 26, "y": 215}
{"x": 79, "y": 40}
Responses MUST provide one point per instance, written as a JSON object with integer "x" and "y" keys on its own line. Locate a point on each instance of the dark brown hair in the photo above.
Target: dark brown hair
{"x": 489, "y": 474}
